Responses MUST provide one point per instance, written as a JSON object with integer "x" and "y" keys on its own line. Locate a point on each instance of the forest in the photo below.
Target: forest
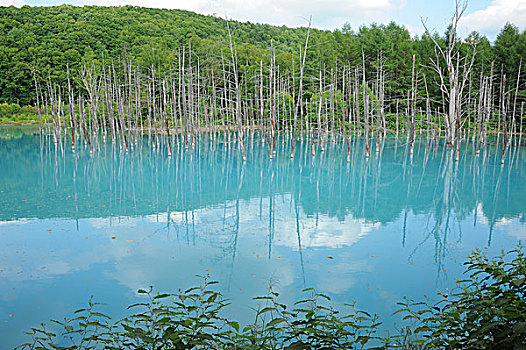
{"x": 44, "y": 40}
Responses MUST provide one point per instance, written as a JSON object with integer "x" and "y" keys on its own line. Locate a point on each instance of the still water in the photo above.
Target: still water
{"x": 74, "y": 225}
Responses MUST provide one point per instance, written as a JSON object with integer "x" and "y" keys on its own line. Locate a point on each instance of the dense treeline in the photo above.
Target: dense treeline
{"x": 43, "y": 40}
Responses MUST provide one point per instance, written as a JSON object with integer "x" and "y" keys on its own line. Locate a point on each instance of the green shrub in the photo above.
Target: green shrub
{"x": 191, "y": 319}
{"x": 488, "y": 311}
{"x": 12, "y": 113}
{"x": 9, "y": 108}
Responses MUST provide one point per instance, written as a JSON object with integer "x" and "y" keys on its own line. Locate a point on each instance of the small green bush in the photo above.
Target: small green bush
{"x": 488, "y": 311}
{"x": 191, "y": 319}
{"x": 12, "y": 113}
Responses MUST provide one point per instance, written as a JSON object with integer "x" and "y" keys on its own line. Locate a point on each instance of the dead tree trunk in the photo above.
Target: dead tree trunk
{"x": 446, "y": 64}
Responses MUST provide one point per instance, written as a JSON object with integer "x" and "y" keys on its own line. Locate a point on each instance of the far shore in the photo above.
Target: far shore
{"x": 206, "y": 129}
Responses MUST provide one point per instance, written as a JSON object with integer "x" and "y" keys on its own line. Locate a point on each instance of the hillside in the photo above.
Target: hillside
{"x": 44, "y": 40}
{"x": 48, "y": 38}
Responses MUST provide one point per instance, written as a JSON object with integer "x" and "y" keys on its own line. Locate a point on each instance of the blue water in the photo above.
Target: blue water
{"x": 75, "y": 224}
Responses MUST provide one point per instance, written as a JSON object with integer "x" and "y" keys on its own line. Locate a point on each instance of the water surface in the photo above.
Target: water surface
{"x": 75, "y": 224}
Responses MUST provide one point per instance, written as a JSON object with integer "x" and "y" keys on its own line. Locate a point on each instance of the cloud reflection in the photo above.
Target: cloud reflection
{"x": 178, "y": 245}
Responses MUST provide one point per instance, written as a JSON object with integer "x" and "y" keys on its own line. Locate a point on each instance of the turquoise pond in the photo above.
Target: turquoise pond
{"x": 74, "y": 225}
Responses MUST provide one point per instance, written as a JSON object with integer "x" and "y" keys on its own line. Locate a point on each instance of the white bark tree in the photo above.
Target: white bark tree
{"x": 453, "y": 65}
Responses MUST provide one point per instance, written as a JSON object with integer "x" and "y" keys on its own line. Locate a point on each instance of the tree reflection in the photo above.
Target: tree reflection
{"x": 392, "y": 184}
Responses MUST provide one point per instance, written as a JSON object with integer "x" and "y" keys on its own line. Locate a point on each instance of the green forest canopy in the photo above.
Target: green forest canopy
{"x": 44, "y": 40}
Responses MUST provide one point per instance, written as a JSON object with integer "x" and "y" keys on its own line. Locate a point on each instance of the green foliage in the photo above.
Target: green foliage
{"x": 509, "y": 50}
{"x": 192, "y": 319}
{"x": 12, "y": 113}
{"x": 43, "y": 40}
{"x": 488, "y": 311}
{"x": 312, "y": 323}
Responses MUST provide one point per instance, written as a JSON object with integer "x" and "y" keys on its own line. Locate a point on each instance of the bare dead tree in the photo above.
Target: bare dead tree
{"x": 299, "y": 104}
{"x": 238, "y": 95}
{"x": 453, "y": 68}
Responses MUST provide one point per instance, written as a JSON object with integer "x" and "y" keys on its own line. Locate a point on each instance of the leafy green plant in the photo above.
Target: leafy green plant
{"x": 312, "y": 323}
{"x": 488, "y": 311}
{"x": 191, "y": 319}
{"x": 86, "y": 330}
{"x": 12, "y": 113}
